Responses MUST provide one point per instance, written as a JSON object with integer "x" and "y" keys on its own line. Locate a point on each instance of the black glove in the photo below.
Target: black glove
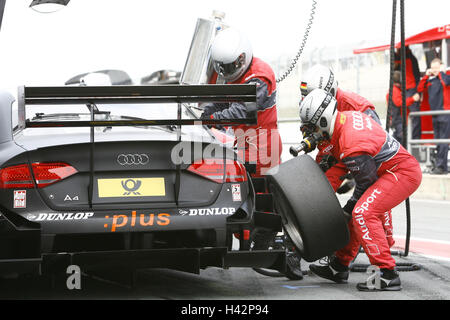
{"x": 327, "y": 162}
{"x": 349, "y": 206}
{"x": 205, "y": 116}
{"x": 348, "y": 176}
{"x": 346, "y": 187}
{"x": 348, "y": 209}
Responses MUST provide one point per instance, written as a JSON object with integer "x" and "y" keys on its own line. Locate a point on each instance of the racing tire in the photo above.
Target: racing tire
{"x": 311, "y": 213}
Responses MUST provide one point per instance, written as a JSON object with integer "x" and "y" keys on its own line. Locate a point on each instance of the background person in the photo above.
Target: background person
{"x": 412, "y": 73}
{"x": 385, "y": 174}
{"x": 396, "y": 113}
{"x": 437, "y": 83}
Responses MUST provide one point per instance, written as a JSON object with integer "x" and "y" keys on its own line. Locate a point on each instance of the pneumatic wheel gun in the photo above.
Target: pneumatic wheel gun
{"x": 307, "y": 145}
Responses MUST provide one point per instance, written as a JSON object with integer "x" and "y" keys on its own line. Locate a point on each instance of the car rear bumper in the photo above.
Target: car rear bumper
{"x": 184, "y": 259}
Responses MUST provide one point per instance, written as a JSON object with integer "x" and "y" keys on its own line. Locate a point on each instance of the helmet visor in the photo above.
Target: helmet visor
{"x": 229, "y": 70}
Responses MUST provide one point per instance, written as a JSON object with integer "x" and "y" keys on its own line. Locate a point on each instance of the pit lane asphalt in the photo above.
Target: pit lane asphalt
{"x": 430, "y": 220}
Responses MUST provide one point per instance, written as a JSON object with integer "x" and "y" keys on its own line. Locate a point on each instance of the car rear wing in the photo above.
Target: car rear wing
{"x": 243, "y": 93}
{"x": 179, "y": 94}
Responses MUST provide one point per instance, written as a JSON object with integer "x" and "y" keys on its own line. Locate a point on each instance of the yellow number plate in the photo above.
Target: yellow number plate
{"x": 131, "y": 187}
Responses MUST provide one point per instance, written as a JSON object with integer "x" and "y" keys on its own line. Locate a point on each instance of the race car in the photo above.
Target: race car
{"x": 82, "y": 184}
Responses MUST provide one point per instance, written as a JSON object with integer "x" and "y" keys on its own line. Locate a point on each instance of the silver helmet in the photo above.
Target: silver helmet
{"x": 318, "y": 111}
{"x": 318, "y": 77}
{"x": 231, "y": 53}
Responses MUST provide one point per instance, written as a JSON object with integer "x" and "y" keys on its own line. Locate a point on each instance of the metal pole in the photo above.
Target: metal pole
{"x": 409, "y": 134}
{"x": 405, "y": 141}
{"x": 392, "y": 53}
{"x": 357, "y": 73}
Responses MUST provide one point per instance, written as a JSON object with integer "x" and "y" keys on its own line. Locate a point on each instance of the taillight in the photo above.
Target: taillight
{"x": 19, "y": 176}
{"x": 49, "y": 173}
{"x": 16, "y": 177}
{"x": 214, "y": 169}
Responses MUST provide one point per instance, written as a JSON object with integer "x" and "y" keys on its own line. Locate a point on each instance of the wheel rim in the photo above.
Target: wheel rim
{"x": 289, "y": 222}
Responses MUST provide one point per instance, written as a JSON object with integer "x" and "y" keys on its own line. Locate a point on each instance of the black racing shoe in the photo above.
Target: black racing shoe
{"x": 333, "y": 270}
{"x": 389, "y": 281}
{"x": 293, "y": 266}
{"x": 438, "y": 170}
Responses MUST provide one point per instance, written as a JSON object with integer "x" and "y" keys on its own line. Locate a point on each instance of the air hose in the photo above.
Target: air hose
{"x": 400, "y": 266}
{"x": 302, "y": 45}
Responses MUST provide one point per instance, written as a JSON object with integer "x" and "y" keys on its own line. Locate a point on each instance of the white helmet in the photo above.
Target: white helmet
{"x": 231, "y": 53}
{"x": 319, "y": 77}
{"x": 318, "y": 110}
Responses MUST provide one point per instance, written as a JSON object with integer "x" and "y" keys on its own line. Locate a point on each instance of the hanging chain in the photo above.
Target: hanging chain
{"x": 302, "y": 46}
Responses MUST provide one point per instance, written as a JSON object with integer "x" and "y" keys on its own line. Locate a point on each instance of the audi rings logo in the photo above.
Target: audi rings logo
{"x": 130, "y": 159}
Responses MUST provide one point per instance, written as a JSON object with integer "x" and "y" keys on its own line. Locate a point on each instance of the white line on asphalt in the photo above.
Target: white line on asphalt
{"x": 445, "y": 202}
{"x": 423, "y": 239}
{"x": 433, "y": 257}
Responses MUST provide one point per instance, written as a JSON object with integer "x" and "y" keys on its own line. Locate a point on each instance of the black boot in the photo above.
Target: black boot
{"x": 389, "y": 281}
{"x": 293, "y": 266}
{"x": 333, "y": 270}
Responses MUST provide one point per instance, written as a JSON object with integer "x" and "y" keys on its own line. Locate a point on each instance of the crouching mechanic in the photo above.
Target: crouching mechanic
{"x": 385, "y": 175}
{"x": 233, "y": 61}
{"x": 321, "y": 77}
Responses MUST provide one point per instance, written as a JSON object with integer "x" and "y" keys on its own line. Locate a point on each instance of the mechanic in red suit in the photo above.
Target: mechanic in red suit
{"x": 233, "y": 60}
{"x": 412, "y": 73}
{"x": 397, "y": 123}
{"x": 321, "y": 77}
{"x": 385, "y": 174}
{"x": 234, "y": 63}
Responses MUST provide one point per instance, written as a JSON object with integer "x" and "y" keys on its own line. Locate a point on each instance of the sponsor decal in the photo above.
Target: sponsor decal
{"x": 60, "y": 216}
{"x": 342, "y": 118}
{"x": 358, "y": 121}
{"x": 207, "y": 212}
{"x": 236, "y": 192}
{"x": 329, "y": 83}
{"x": 143, "y": 219}
{"x": 445, "y": 29}
{"x": 131, "y": 187}
{"x": 68, "y": 198}
{"x": 373, "y": 250}
{"x": 20, "y": 199}
{"x": 328, "y": 149}
{"x": 321, "y": 109}
{"x": 304, "y": 88}
{"x": 360, "y": 210}
{"x": 133, "y": 159}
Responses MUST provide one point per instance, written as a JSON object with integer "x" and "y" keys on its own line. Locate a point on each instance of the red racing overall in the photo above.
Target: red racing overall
{"x": 385, "y": 174}
{"x": 349, "y": 101}
{"x": 261, "y": 142}
{"x": 346, "y": 101}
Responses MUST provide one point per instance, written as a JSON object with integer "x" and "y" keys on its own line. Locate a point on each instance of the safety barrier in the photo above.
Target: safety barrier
{"x": 430, "y": 143}
{"x": 424, "y": 141}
